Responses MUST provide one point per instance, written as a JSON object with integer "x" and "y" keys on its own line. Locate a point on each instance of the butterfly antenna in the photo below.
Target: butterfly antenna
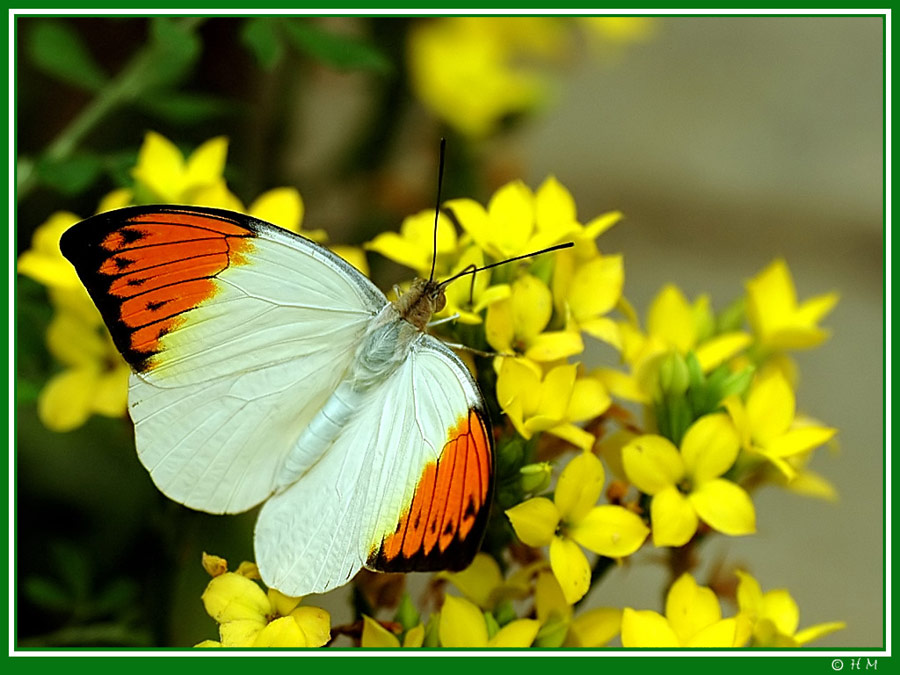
{"x": 471, "y": 269}
{"x": 437, "y": 207}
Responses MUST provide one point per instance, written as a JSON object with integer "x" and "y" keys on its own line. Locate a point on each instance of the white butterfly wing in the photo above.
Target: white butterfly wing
{"x": 237, "y": 331}
{"x": 405, "y": 486}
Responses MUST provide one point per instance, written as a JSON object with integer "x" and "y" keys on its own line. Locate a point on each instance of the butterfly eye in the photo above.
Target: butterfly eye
{"x": 440, "y": 301}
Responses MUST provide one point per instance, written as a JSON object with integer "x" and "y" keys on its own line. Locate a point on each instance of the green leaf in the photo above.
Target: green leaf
{"x": 505, "y": 612}
{"x": 57, "y": 49}
{"x": 47, "y": 594}
{"x": 72, "y": 175}
{"x": 407, "y": 615}
{"x": 117, "y": 596}
{"x": 338, "y": 51}
{"x": 261, "y": 36}
{"x": 174, "y": 48}
{"x": 552, "y": 634}
{"x": 183, "y": 108}
{"x": 736, "y": 383}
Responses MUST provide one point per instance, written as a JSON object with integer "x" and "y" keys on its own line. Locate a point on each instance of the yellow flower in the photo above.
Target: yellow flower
{"x": 693, "y": 619}
{"x": 374, "y": 635}
{"x": 44, "y": 262}
{"x": 685, "y": 485}
{"x": 572, "y": 518}
{"x": 775, "y": 616}
{"x": 467, "y": 296}
{"x": 587, "y": 289}
{"x": 482, "y": 582}
{"x": 553, "y": 402}
{"x": 620, "y": 29}
{"x": 517, "y": 221}
{"x": 470, "y": 72}
{"x": 94, "y": 377}
{"x": 778, "y": 321}
{"x": 517, "y": 323}
{"x": 463, "y": 625}
{"x": 590, "y": 629}
{"x": 250, "y": 617}
{"x": 414, "y": 245}
{"x": 673, "y": 324}
{"x": 767, "y": 424}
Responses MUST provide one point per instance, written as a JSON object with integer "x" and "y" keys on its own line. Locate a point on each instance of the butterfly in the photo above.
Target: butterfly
{"x": 267, "y": 370}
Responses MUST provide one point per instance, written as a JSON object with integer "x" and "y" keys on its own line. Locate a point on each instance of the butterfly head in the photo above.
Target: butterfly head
{"x": 424, "y": 298}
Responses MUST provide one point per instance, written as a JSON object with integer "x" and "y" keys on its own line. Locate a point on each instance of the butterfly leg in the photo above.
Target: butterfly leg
{"x": 477, "y": 352}
{"x": 446, "y": 319}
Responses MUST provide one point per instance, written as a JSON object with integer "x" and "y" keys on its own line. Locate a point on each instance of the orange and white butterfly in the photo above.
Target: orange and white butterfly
{"x": 267, "y": 369}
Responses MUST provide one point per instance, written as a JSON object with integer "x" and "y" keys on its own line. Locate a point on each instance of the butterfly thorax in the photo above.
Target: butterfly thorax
{"x": 424, "y": 298}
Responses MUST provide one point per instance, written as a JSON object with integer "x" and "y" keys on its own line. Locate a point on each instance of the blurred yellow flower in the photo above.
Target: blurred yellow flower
{"x": 374, "y": 635}
{"x": 774, "y": 616}
{"x": 44, "y": 262}
{"x": 559, "y": 628}
{"x": 250, "y": 617}
{"x": 686, "y": 484}
{"x": 463, "y": 625}
{"x": 517, "y": 221}
{"x": 778, "y": 321}
{"x": 693, "y": 619}
{"x": 767, "y": 425}
{"x": 553, "y": 401}
{"x": 516, "y": 324}
{"x": 620, "y": 29}
{"x": 482, "y": 582}
{"x": 573, "y": 518}
{"x": 474, "y": 71}
{"x": 413, "y": 247}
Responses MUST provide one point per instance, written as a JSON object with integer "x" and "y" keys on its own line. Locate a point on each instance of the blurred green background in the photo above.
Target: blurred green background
{"x": 725, "y": 141}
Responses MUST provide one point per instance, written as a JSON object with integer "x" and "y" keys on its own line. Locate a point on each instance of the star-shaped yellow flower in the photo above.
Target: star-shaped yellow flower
{"x": 414, "y": 245}
{"x": 374, "y": 635}
{"x": 573, "y": 519}
{"x": 560, "y": 627}
{"x": 775, "y": 616}
{"x": 778, "y": 320}
{"x": 685, "y": 484}
{"x": 693, "y": 619}
{"x": 462, "y": 624}
{"x": 553, "y": 401}
{"x": 767, "y": 424}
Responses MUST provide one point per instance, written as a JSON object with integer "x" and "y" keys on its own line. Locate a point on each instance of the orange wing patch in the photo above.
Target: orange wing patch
{"x": 443, "y": 525}
{"x": 146, "y": 269}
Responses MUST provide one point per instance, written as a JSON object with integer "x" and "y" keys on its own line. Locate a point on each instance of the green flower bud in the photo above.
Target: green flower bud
{"x": 535, "y": 477}
{"x": 674, "y": 376}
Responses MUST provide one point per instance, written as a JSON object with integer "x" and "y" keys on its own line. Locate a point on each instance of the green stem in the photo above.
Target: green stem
{"x": 126, "y": 87}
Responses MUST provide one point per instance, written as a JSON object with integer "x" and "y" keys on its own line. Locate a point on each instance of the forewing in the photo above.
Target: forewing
{"x": 237, "y": 331}
{"x": 406, "y": 486}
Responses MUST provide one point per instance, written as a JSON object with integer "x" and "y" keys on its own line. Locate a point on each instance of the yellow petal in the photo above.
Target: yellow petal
{"x": 602, "y": 223}
{"x": 554, "y": 206}
{"x": 671, "y": 318}
{"x": 779, "y": 607}
{"x": 605, "y": 329}
{"x": 377, "y": 636}
{"x": 673, "y": 518}
{"x": 594, "y": 628}
{"x": 74, "y": 342}
{"x": 622, "y": 385}
{"x": 499, "y": 328}
{"x": 690, "y": 608}
{"x": 710, "y": 446}
{"x": 549, "y": 600}
{"x": 518, "y": 633}
{"x": 749, "y": 595}
{"x": 280, "y": 206}
{"x": 115, "y": 200}
{"x": 315, "y": 623}
{"x": 596, "y": 287}
{"x": 534, "y": 521}
{"x": 575, "y": 435}
{"x": 609, "y": 530}
{"x": 725, "y": 507}
{"x": 478, "y": 581}
{"x": 353, "y": 255}
{"x": 206, "y": 644}
{"x": 554, "y": 345}
{"x": 818, "y": 631}
{"x": 719, "y": 349}
{"x": 207, "y": 163}
{"x": 241, "y": 632}
{"x": 771, "y": 299}
{"x": 579, "y": 487}
{"x": 415, "y": 636}
{"x": 214, "y": 194}
{"x": 652, "y": 463}
{"x": 532, "y": 305}
{"x": 811, "y": 311}
{"x": 230, "y": 597}
{"x": 589, "y": 399}
{"x": 570, "y": 568}
{"x": 65, "y": 401}
{"x": 642, "y": 629}
{"x": 111, "y": 393}
{"x": 160, "y": 167}
{"x": 281, "y": 603}
{"x": 511, "y": 212}
{"x": 720, "y": 635}
{"x": 795, "y": 441}
{"x": 283, "y": 632}
{"x": 474, "y": 220}
{"x": 770, "y": 406}
{"x": 556, "y": 391}
{"x": 462, "y": 624}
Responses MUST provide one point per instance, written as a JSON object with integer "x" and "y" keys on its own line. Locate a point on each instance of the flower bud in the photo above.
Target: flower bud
{"x": 674, "y": 377}
{"x": 535, "y": 477}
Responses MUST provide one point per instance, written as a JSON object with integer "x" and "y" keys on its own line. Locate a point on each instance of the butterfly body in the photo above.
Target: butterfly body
{"x": 268, "y": 370}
